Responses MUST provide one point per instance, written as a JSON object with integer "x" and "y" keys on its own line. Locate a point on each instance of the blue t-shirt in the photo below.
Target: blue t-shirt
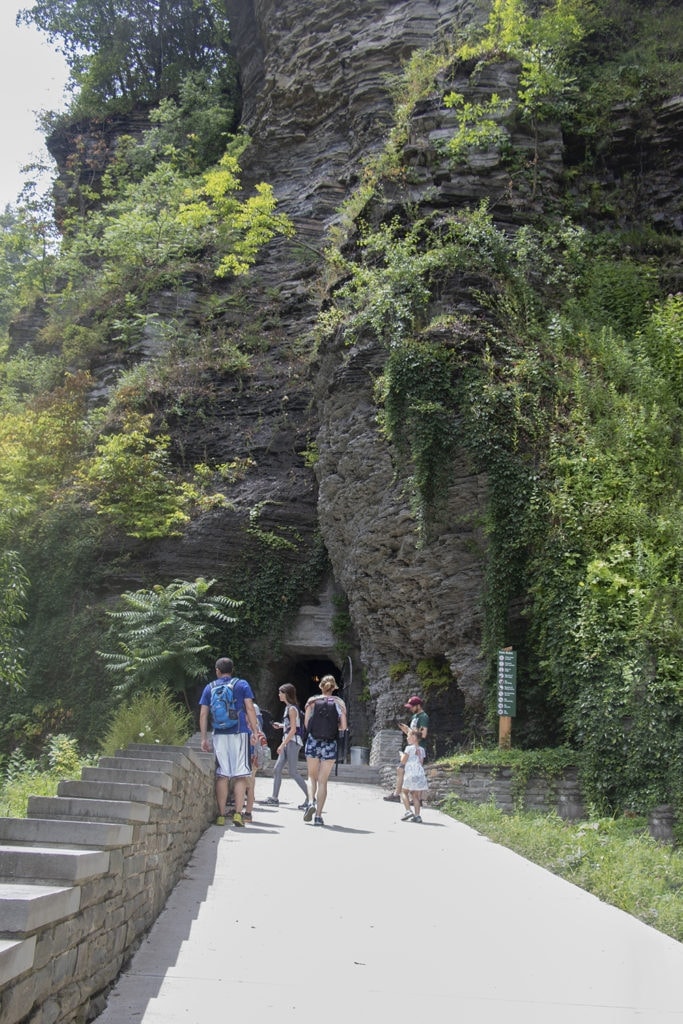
{"x": 242, "y": 689}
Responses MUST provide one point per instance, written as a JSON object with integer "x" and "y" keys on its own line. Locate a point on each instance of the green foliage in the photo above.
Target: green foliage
{"x": 154, "y": 226}
{"x": 310, "y": 454}
{"x": 63, "y": 756}
{"x": 22, "y": 777}
{"x": 275, "y": 541}
{"x": 62, "y": 554}
{"x": 41, "y": 443}
{"x": 166, "y": 635}
{"x": 543, "y": 44}
{"x": 398, "y": 669}
{"x": 615, "y": 859}
{"x": 606, "y": 613}
{"x": 150, "y": 717}
{"x": 273, "y": 584}
{"x": 129, "y": 480}
{"x": 434, "y": 674}
{"x": 196, "y": 126}
{"x": 123, "y": 52}
{"x": 633, "y": 62}
{"x": 14, "y": 584}
{"x": 419, "y": 394}
{"x": 478, "y": 126}
{"x": 29, "y": 781}
{"x": 389, "y": 287}
{"x": 237, "y": 228}
{"x": 548, "y": 763}
{"x": 27, "y": 255}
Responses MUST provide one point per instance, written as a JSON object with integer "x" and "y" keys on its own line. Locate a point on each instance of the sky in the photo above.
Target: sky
{"x": 32, "y": 78}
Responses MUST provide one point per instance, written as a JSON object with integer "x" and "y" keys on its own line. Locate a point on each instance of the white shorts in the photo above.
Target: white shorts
{"x": 232, "y": 754}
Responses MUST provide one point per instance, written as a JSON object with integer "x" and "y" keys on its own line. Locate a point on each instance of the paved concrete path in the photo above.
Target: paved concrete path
{"x": 371, "y": 918}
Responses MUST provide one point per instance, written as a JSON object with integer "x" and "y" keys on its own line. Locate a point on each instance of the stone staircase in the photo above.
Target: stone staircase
{"x": 87, "y": 872}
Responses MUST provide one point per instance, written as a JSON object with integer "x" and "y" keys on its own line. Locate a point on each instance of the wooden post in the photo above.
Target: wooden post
{"x": 505, "y": 732}
{"x": 507, "y": 695}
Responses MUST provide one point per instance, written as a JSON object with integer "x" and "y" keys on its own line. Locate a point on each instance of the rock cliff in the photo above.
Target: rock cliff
{"x": 317, "y": 104}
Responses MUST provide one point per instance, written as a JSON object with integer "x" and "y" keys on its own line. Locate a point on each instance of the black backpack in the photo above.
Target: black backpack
{"x": 324, "y": 722}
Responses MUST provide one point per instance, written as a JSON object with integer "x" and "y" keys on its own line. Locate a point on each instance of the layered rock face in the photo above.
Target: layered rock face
{"x": 316, "y": 104}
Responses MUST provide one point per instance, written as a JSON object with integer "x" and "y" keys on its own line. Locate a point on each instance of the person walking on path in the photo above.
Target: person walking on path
{"x": 288, "y": 750}
{"x": 420, "y": 722}
{"x": 259, "y": 755}
{"x": 231, "y": 736}
{"x": 414, "y": 778}
{"x": 325, "y": 718}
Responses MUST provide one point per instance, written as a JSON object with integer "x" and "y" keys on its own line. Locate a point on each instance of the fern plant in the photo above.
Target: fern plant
{"x": 165, "y": 636}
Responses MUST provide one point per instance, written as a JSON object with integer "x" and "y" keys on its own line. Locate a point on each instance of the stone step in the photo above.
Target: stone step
{"x": 66, "y": 808}
{"x": 142, "y": 793}
{"x": 16, "y": 957}
{"x": 361, "y": 773}
{"x": 184, "y": 756}
{"x": 142, "y": 764}
{"x": 102, "y": 835}
{"x": 26, "y": 908}
{"x": 46, "y": 865}
{"x": 135, "y": 776}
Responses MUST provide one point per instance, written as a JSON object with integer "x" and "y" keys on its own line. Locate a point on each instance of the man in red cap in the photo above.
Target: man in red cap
{"x": 419, "y": 722}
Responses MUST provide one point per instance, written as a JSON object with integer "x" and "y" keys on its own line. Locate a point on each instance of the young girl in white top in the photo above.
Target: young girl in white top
{"x": 288, "y": 751}
{"x": 414, "y": 778}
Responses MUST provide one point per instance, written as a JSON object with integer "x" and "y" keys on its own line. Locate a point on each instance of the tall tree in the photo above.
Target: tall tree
{"x": 134, "y": 49}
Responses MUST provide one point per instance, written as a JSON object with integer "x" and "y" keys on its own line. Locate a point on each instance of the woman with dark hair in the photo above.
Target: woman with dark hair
{"x": 288, "y": 751}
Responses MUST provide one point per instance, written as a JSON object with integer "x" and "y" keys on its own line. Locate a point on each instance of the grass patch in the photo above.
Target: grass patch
{"x": 14, "y": 795}
{"x": 22, "y": 777}
{"x": 613, "y": 858}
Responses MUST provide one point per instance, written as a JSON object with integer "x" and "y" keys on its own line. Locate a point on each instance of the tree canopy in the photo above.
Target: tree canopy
{"x": 134, "y": 49}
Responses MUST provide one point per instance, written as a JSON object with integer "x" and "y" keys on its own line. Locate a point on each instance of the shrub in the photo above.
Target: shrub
{"x": 152, "y": 717}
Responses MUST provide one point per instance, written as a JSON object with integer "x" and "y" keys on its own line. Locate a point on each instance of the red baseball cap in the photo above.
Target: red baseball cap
{"x": 413, "y": 702}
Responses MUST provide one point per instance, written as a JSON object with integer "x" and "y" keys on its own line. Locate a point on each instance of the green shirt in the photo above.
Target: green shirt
{"x": 420, "y": 721}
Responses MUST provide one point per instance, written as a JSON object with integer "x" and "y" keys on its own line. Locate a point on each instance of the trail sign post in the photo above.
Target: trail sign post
{"x": 507, "y": 694}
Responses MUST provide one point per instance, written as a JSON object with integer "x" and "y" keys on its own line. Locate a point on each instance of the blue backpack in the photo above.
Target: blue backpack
{"x": 223, "y": 707}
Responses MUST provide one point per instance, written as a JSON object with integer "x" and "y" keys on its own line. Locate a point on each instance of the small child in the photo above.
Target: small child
{"x": 414, "y": 778}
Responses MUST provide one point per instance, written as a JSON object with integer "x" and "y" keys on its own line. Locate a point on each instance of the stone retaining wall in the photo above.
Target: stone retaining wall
{"x": 84, "y": 876}
{"x": 480, "y": 783}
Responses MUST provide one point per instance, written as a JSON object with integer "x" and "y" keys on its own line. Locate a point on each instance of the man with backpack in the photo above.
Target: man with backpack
{"x": 325, "y": 718}
{"x": 228, "y": 705}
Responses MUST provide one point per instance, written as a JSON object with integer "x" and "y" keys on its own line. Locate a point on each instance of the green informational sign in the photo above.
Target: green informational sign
{"x": 507, "y": 683}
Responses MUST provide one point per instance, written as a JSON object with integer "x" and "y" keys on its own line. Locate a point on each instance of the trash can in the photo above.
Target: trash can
{"x": 360, "y": 755}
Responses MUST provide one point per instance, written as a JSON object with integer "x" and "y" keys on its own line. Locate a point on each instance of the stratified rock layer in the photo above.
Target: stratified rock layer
{"x": 316, "y": 104}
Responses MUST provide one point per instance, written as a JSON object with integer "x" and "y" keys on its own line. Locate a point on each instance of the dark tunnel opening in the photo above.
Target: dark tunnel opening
{"x": 305, "y": 675}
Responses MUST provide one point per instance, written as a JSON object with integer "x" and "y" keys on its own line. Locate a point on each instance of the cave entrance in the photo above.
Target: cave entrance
{"x": 304, "y": 674}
